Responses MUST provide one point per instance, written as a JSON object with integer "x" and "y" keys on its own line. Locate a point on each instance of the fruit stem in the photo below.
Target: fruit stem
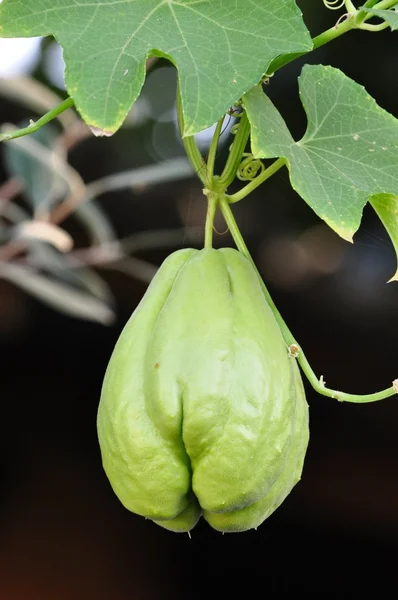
{"x": 212, "y": 200}
{"x": 295, "y": 350}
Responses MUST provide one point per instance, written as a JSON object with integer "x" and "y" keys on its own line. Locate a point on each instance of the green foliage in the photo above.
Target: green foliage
{"x": 203, "y": 408}
{"x": 389, "y": 16}
{"x": 106, "y": 44}
{"x": 42, "y": 184}
{"x": 348, "y": 153}
{"x": 386, "y": 206}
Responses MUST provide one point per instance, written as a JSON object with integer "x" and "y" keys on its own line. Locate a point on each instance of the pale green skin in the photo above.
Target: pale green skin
{"x": 202, "y": 410}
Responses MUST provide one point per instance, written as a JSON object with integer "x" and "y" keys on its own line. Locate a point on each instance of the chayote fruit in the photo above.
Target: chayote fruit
{"x": 202, "y": 409}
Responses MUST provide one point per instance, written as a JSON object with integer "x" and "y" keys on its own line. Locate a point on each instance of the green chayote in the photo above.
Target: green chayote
{"x": 202, "y": 410}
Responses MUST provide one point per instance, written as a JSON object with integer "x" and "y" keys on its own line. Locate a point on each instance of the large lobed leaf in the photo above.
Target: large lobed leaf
{"x": 348, "y": 154}
{"x": 220, "y": 47}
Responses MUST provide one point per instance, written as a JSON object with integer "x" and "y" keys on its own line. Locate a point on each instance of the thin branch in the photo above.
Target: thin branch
{"x": 170, "y": 170}
{"x": 137, "y": 242}
{"x": 35, "y": 96}
{"x": 133, "y": 267}
{"x": 35, "y": 126}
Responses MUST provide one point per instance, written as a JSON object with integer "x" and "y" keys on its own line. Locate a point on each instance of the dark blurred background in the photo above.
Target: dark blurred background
{"x": 64, "y": 535}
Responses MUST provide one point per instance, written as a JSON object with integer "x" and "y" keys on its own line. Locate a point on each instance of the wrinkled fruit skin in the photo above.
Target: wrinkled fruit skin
{"x": 202, "y": 410}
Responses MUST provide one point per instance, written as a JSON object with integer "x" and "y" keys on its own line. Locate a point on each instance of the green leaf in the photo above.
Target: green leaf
{"x": 386, "y": 206}
{"x": 348, "y": 153}
{"x": 221, "y": 49}
{"x": 45, "y": 186}
{"x": 390, "y": 16}
{"x": 42, "y": 184}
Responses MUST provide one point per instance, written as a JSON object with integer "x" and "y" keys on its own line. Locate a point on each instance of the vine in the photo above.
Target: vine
{"x": 295, "y": 350}
{"x": 242, "y": 165}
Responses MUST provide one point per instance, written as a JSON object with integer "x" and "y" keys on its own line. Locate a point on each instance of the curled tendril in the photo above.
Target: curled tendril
{"x": 266, "y": 77}
{"x": 235, "y": 111}
{"x": 334, "y": 4}
{"x": 249, "y": 168}
{"x": 236, "y": 114}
